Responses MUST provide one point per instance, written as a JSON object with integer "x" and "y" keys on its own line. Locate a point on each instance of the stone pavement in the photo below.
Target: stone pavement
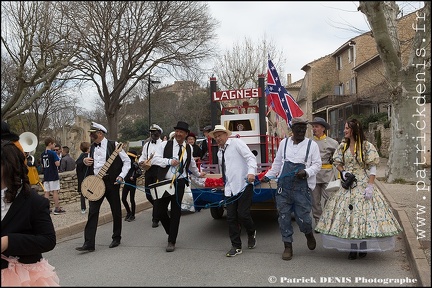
{"x": 412, "y": 208}
{"x": 73, "y": 221}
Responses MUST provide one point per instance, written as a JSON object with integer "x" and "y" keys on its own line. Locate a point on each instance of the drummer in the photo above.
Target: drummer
{"x": 174, "y": 157}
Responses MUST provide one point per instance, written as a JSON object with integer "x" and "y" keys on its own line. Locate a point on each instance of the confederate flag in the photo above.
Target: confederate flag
{"x": 278, "y": 97}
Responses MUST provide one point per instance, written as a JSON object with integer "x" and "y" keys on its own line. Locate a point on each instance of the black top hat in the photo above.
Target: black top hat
{"x": 182, "y": 126}
{"x": 321, "y": 121}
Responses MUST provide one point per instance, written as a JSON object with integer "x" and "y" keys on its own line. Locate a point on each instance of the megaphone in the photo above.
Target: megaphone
{"x": 28, "y": 141}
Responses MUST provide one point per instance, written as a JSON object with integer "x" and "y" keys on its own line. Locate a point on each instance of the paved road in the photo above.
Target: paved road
{"x": 199, "y": 259}
{"x": 204, "y": 250}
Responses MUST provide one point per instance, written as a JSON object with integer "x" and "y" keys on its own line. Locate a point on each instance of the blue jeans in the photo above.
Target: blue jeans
{"x": 293, "y": 195}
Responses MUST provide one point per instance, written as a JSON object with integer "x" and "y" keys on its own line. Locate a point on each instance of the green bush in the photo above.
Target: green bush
{"x": 378, "y": 139}
{"x": 370, "y": 118}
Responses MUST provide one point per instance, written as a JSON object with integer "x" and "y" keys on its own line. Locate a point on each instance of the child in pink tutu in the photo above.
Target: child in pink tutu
{"x": 27, "y": 229}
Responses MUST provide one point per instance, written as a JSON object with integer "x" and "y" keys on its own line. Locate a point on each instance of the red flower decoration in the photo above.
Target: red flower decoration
{"x": 214, "y": 182}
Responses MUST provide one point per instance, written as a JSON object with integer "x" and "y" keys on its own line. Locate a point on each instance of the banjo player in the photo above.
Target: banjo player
{"x": 100, "y": 152}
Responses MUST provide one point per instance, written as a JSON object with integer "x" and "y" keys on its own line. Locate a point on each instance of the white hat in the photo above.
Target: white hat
{"x": 156, "y": 127}
{"x": 219, "y": 128}
{"x": 97, "y": 127}
{"x": 171, "y": 135}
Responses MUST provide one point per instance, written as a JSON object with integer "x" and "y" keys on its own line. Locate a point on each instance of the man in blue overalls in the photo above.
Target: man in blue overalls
{"x": 297, "y": 162}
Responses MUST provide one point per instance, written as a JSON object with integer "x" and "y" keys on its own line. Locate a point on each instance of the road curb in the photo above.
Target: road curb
{"x": 66, "y": 231}
{"x": 416, "y": 255}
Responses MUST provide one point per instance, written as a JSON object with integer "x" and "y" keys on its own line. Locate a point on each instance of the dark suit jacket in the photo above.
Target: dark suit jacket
{"x": 81, "y": 169}
{"x": 30, "y": 229}
{"x": 204, "y": 149}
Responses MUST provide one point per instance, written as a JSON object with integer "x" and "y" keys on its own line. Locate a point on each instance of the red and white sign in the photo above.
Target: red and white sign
{"x": 237, "y": 94}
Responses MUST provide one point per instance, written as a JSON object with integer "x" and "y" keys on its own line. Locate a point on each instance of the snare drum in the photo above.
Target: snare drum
{"x": 162, "y": 189}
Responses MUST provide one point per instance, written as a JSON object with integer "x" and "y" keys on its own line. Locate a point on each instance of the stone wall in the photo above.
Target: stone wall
{"x": 376, "y": 129}
{"x": 69, "y": 187}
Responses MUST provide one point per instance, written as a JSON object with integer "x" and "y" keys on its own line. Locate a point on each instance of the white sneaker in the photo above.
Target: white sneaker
{"x": 83, "y": 211}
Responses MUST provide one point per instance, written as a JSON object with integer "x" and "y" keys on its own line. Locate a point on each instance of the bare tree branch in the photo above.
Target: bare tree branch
{"x": 39, "y": 45}
{"x": 124, "y": 41}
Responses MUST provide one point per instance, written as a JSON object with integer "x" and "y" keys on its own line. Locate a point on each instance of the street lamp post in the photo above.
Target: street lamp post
{"x": 149, "y": 91}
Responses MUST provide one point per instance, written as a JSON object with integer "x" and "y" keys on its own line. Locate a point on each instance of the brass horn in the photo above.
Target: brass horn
{"x": 28, "y": 141}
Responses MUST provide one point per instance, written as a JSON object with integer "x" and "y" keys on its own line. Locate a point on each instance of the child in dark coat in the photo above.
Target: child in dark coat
{"x": 130, "y": 186}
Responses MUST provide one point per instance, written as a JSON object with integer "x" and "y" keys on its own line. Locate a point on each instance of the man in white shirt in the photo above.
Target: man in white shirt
{"x": 145, "y": 162}
{"x": 100, "y": 152}
{"x": 297, "y": 162}
{"x": 175, "y": 160}
{"x": 238, "y": 166}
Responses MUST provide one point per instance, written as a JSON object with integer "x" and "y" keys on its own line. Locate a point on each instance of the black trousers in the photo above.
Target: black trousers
{"x": 238, "y": 214}
{"x": 171, "y": 222}
{"x": 112, "y": 194}
{"x": 126, "y": 189}
{"x": 150, "y": 177}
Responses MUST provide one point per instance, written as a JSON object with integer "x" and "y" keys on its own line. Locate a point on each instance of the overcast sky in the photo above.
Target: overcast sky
{"x": 304, "y": 31}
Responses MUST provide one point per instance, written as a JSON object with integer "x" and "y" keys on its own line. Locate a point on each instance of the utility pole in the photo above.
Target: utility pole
{"x": 150, "y": 81}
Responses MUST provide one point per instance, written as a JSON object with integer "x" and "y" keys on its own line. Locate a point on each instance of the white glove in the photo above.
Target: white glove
{"x": 343, "y": 174}
{"x": 368, "y": 192}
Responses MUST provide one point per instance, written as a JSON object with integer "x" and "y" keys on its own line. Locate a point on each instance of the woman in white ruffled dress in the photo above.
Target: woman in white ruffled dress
{"x": 357, "y": 219}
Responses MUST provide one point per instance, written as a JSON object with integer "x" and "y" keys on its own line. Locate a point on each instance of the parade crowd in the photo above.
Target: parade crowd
{"x": 353, "y": 216}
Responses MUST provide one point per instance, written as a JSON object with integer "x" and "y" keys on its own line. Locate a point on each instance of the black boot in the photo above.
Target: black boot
{"x": 363, "y": 247}
{"x": 127, "y": 217}
{"x": 311, "y": 243}
{"x": 287, "y": 254}
{"x": 353, "y": 254}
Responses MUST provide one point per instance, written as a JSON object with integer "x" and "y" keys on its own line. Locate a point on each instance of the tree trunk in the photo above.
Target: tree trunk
{"x": 405, "y": 139}
{"x": 112, "y": 118}
{"x": 408, "y": 84}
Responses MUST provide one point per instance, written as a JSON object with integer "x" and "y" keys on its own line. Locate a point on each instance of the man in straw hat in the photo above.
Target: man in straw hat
{"x": 145, "y": 161}
{"x": 327, "y": 147}
{"x": 175, "y": 160}
{"x": 297, "y": 162}
{"x": 238, "y": 166}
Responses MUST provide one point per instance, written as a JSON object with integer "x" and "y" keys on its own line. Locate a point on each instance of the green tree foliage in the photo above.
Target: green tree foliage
{"x": 134, "y": 130}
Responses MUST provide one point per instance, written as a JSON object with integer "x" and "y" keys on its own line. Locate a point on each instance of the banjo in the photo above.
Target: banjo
{"x": 93, "y": 187}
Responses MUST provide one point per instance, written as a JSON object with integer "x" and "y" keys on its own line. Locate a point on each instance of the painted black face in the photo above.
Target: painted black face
{"x": 155, "y": 134}
{"x": 299, "y": 131}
